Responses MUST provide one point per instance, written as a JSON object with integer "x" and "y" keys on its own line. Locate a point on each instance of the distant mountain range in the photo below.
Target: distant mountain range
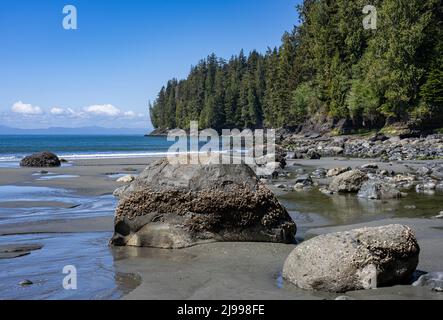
{"x": 73, "y": 131}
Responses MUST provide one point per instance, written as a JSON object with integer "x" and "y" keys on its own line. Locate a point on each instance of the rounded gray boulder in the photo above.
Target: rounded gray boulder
{"x": 348, "y": 182}
{"x": 355, "y": 260}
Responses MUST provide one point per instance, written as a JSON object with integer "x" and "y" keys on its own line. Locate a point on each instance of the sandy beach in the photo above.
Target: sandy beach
{"x": 81, "y": 218}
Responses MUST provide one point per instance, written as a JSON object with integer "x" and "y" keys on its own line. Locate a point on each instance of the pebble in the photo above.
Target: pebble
{"x": 440, "y": 215}
{"x": 126, "y": 179}
{"x": 26, "y": 283}
{"x": 343, "y": 298}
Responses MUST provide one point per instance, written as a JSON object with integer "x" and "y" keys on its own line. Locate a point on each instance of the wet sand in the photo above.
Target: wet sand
{"x": 211, "y": 271}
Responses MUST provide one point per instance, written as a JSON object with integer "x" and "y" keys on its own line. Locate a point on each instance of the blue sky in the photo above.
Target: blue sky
{"x": 122, "y": 53}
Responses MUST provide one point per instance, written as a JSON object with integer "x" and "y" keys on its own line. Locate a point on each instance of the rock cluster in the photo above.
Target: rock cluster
{"x": 379, "y": 146}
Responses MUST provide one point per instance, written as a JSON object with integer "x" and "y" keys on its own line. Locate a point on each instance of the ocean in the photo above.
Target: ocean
{"x": 14, "y": 147}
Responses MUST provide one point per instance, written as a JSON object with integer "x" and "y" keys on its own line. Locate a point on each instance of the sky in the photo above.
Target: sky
{"x": 121, "y": 54}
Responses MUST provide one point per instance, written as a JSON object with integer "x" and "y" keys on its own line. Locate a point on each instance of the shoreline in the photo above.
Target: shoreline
{"x": 204, "y": 271}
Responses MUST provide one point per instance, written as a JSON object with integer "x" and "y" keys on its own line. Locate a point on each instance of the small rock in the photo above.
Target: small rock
{"x": 410, "y": 207}
{"x": 126, "y": 179}
{"x": 337, "y": 171}
{"x": 440, "y": 215}
{"x": 313, "y": 155}
{"x": 25, "y": 283}
{"x": 326, "y": 191}
{"x": 432, "y": 279}
{"x": 343, "y": 298}
{"x": 424, "y": 171}
{"x": 438, "y": 289}
{"x": 378, "y": 190}
{"x": 369, "y": 168}
{"x": 349, "y": 182}
{"x": 291, "y": 156}
{"x": 319, "y": 173}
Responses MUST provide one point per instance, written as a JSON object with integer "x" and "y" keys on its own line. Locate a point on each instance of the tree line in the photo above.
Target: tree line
{"x": 327, "y": 66}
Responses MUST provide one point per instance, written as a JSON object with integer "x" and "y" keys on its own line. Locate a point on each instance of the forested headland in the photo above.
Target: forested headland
{"x": 328, "y": 68}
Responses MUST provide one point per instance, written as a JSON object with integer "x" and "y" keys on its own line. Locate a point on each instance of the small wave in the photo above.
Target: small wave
{"x": 89, "y": 156}
{"x": 9, "y": 158}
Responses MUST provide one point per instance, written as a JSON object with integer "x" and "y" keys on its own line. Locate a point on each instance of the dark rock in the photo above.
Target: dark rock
{"x": 177, "y": 206}
{"x": 313, "y": 155}
{"x": 319, "y": 173}
{"x": 303, "y": 182}
{"x": 41, "y": 160}
{"x": 25, "y": 283}
{"x": 379, "y": 137}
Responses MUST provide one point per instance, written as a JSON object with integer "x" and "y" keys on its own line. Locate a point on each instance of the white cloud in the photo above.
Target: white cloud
{"x": 130, "y": 114}
{"x": 26, "y": 109}
{"x": 58, "y": 111}
{"x": 103, "y": 110}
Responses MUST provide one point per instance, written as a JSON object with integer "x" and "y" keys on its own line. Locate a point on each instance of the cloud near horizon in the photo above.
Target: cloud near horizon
{"x": 25, "y": 109}
{"x": 26, "y": 115}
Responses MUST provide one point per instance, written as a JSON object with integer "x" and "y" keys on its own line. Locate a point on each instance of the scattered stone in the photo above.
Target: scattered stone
{"x": 337, "y": 171}
{"x": 291, "y": 156}
{"x": 438, "y": 289}
{"x": 378, "y": 190}
{"x": 379, "y": 137}
{"x": 126, "y": 179}
{"x": 439, "y": 216}
{"x": 369, "y": 168}
{"x": 344, "y": 298}
{"x": 176, "y": 206}
{"x": 348, "y": 182}
{"x": 26, "y": 283}
{"x": 313, "y": 155}
{"x": 358, "y": 259}
{"x": 433, "y": 279}
{"x": 424, "y": 171}
{"x": 118, "y": 193}
{"x": 326, "y": 191}
{"x": 303, "y": 183}
{"x": 410, "y": 207}
{"x": 378, "y": 146}
{"x": 305, "y": 180}
{"x": 41, "y": 160}
{"x": 319, "y": 173}
{"x": 426, "y": 186}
